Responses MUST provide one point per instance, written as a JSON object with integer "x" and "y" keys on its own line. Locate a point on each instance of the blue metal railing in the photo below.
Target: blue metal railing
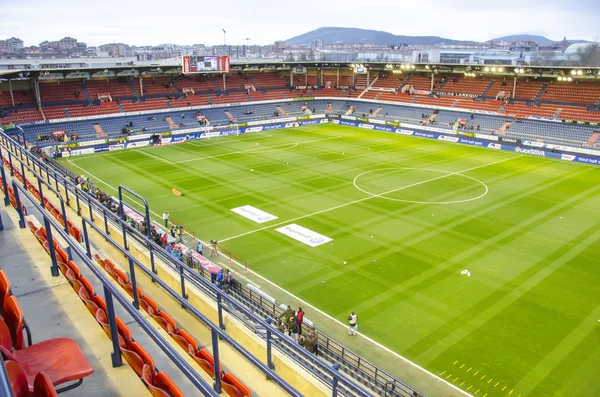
{"x": 199, "y": 281}
{"x": 110, "y": 292}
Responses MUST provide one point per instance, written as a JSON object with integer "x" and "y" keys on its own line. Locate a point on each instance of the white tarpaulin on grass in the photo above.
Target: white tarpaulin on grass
{"x": 304, "y": 235}
{"x": 254, "y": 214}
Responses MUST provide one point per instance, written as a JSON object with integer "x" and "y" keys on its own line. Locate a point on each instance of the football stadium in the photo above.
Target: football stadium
{"x": 212, "y": 227}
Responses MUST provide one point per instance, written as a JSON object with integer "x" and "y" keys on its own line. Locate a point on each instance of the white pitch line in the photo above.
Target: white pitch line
{"x": 155, "y": 156}
{"x": 366, "y": 198}
{"x": 306, "y": 304}
{"x": 293, "y": 145}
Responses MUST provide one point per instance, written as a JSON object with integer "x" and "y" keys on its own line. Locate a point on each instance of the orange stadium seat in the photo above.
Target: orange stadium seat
{"x": 61, "y": 359}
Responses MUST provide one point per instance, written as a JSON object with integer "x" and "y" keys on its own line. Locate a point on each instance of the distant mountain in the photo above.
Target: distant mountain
{"x": 534, "y": 38}
{"x": 333, "y": 35}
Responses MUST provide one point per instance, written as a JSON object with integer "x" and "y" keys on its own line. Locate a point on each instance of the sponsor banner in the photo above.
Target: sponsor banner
{"x": 323, "y": 121}
{"x": 471, "y": 142}
{"x": 336, "y": 121}
{"x": 304, "y": 235}
{"x": 573, "y": 149}
{"x": 82, "y": 151}
{"x": 302, "y": 99}
{"x": 534, "y": 144}
{"x": 448, "y": 138}
{"x": 136, "y": 144}
{"x": 544, "y": 119}
{"x": 432, "y": 129}
{"x": 382, "y": 89}
{"x": 534, "y": 152}
{"x": 272, "y": 121}
{"x": 403, "y": 132}
{"x": 310, "y": 122}
{"x": 65, "y": 154}
{"x": 367, "y": 126}
{"x": 116, "y": 147}
{"x": 587, "y": 160}
{"x": 289, "y": 125}
{"x": 385, "y": 129}
{"x": 509, "y": 140}
{"x": 94, "y": 142}
{"x": 253, "y": 129}
{"x": 469, "y": 134}
{"x": 210, "y": 134}
{"x": 568, "y": 157}
{"x": 425, "y": 135}
{"x": 460, "y": 94}
{"x": 486, "y": 137}
{"x": 101, "y": 149}
{"x": 494, "y": 146}
{"x": 254, "y": 214}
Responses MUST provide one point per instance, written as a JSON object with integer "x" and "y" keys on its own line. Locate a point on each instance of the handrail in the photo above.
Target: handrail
{"x": 111, "y": 291}
{"x": 193, "y": 276}
{"x": 216, "y": 330}
{"x": 180, "y": 299}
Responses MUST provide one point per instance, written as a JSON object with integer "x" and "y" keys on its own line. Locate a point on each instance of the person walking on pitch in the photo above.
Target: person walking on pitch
{"x": 352, "y": 324}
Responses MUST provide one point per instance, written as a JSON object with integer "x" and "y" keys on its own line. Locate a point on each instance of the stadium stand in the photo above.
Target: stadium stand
{"x": 131, "y": 350}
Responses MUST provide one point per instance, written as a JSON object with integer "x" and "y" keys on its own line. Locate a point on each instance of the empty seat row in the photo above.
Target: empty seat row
{"x": 35, "y": 367}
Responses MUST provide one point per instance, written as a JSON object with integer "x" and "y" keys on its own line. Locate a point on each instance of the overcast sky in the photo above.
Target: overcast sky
{"x": 200, "y": 22}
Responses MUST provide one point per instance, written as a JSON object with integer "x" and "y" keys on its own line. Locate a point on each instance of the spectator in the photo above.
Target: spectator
{"x": 294, "y": 329}
{"x": 287, "y": 314}
{"x": 180, "y": 233}
{"x": 300, "y": 317}
{"x": 199, "y": 247}
{"x": 311, "y": 343}
{"x": 187, "y": 256}
{"x": 352, "y": 324}
{"x": 220, "y": 278}
{"x": 227, "y": 280}
{"x": 165, "y": 217}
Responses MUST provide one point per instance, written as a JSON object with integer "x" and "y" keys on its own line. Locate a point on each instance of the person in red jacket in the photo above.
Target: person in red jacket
{"x": 300, "y": 317}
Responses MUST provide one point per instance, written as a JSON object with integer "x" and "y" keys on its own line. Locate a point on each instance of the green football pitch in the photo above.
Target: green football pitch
{"x": 406, "y": 215}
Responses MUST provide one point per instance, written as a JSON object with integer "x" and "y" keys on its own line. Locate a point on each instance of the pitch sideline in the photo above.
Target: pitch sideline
{"x": 306, "y": 304}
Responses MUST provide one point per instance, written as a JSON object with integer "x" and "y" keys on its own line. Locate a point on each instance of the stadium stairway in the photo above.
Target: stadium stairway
{"x": 489, "y": 87}
{"x": 540, "y": 92}
{"x": 133, "y": 89}
{"x": 85, "y": 92}
{"x": 593, "y": 139}
{"x": 230, "y": 116}
{"x": 281, "y": 111}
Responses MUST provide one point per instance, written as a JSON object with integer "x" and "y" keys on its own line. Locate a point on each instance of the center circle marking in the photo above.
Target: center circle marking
{"x": 448, "y": 173}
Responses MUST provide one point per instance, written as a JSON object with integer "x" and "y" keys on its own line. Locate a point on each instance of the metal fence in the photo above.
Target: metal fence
{"x": 337, "y": 379}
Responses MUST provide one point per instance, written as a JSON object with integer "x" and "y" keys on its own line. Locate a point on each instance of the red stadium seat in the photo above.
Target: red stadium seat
{"x": 5, "y": 291}
{"x": 137, "y": 357}
{"x": 123, "y": 330}
{"x": 148, "y": 305}
{"x": 43, "y": 387}
{"x": 206, "y": 361}
{"x": 234, "y": 387}
{"x": 60, "y": 358}
{"x": 186, "y": 341}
